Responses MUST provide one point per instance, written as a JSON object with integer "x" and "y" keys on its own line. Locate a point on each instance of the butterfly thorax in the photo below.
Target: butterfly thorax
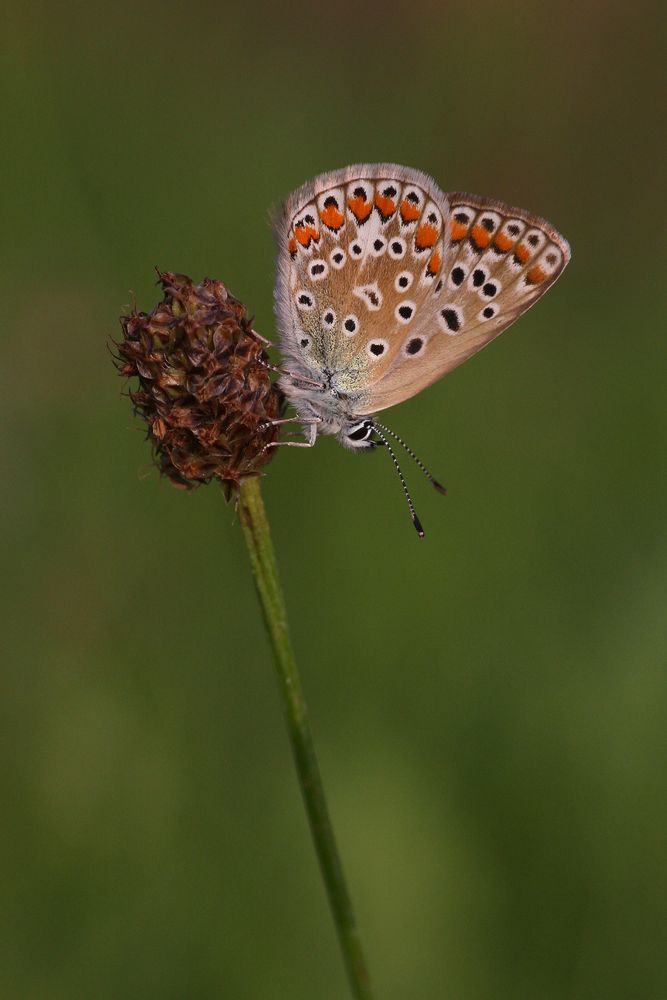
{"x": 335, "y": 410}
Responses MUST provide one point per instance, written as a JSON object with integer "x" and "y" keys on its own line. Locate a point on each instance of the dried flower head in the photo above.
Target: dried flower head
{"x": 204, "y": 387}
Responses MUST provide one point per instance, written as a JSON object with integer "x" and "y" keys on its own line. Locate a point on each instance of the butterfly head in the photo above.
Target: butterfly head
{"x": 358, "y": 434}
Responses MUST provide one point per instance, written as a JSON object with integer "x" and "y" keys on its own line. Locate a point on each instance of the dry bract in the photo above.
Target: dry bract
{"x": 204, "y": 388}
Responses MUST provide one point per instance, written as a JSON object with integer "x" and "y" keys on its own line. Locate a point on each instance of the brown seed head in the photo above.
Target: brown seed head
{"x": 204, "y": 387}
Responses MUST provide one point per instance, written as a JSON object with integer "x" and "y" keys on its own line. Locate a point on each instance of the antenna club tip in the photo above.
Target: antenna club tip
{"x": 418, "y": 525}
{"x": 439, "y": 488}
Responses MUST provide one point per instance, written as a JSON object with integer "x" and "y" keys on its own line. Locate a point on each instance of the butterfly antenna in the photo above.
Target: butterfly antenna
{"x": 434, "y": 482}
{"x": 413, "y": 515}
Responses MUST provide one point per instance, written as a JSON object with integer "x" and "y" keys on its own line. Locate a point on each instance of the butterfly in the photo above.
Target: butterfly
{"x": 385, "y": 283}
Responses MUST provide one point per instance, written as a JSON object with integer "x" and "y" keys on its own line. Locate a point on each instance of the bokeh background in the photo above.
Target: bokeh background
{"x": 489, "y": 705}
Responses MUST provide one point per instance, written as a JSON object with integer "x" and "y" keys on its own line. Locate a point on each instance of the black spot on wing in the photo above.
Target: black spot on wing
{"x": 451, "y": 318}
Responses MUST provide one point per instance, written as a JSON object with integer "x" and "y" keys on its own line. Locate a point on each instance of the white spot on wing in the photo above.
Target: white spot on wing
{"x": 490, "y": 288}
{"x": 350, "y": 325}
{"x": 328, "y": 319}
{"x": 370, "y": 295}
{"x": 337, "y": 258}
{"x": 356, "y": 250}
{"x": 318, "y": 269}
{"x": 396, "y": 248}
{"x": 450, "y": 319}
{"x": 376, "y": 348}
{"x": 492, "y": 218}
{"x": 415, "y": 199}
{"x": 405, "y": 311}
{"x": 339, "y": 195}
{"x": 457, "y": 275}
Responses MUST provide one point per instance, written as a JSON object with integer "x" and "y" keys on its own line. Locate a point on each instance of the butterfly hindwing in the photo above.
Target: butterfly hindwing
{"x": 360, "y": 251}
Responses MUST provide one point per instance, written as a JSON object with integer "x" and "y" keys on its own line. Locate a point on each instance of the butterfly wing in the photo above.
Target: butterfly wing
{"x": 385, "y": 283}
{"x": 498, "y": 261}
{"x": 359, "y": 253}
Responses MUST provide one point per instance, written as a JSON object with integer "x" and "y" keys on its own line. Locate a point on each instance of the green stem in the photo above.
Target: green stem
{"x": 265, "y": 570}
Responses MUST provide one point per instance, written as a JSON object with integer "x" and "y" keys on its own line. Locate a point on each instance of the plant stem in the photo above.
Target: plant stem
{"x": 258, "y": 538}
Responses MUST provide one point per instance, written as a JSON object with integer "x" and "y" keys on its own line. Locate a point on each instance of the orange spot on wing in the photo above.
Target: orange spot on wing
{"x": 426, "y": 236}
{"x": 292, "y": 245}
{"x": 433, "y": 265}
{"x": 480, "y": 236}
{"x": 522, "y": 253}
{"x": 409, "y": 211}
{"x": 458, "y": 231}
{"x": 535, "y": 275}
{"x": 331, "y": 217}
{"x": 503, "y": 242}
{"x": 360, "y": 209}
{"x": 386, "y": 206}
{"x": 305, "y": 234}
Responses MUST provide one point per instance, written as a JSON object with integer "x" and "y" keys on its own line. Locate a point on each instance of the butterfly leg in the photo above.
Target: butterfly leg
{"x": 306, "y": 421}
{"x": 264, "y": 340}
{"x": 310, "y": 423}
{"x": 295, "y": 378}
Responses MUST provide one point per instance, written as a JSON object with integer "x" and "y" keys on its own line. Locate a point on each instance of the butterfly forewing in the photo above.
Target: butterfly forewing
{"x": 498, "y": 261}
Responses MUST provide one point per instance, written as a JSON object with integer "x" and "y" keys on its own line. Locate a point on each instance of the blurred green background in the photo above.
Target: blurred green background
{"x": 489, "y": 705}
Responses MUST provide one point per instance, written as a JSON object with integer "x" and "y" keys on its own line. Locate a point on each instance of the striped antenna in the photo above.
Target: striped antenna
{"x": 413, "y": 515}
{"x": 434, "y": 482}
